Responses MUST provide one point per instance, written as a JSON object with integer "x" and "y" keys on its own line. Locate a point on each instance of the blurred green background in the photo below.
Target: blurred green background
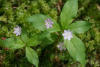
{"x": 13, "y": 12}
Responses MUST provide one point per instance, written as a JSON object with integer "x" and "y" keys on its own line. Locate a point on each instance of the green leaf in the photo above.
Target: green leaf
{"x": 80, "y": 26}
{"x": 46, "y": 38}
{"x": 54, "y": 28}
{"x": 76, "y": 49}
{"x": 69, "y": 11}
{"x": 12, "y": 43}
{"x": 32, "y": 56}
{"x": 38, "y": 22}
{"x": 24, "y": 37}
{"x": 32, "y": 41}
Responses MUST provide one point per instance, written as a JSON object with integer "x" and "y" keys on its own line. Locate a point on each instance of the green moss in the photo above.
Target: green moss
{"x": 13, "y": 12}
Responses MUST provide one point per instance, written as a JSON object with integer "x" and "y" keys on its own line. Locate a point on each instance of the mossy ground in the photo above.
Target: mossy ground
{"x": 13, "y": 12}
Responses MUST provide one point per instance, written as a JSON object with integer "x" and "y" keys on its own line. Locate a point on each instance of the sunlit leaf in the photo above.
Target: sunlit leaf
{"x": 80, "y": 26}
{"x": 69, "y": 11}
{"x": 32, "y": 56}
{"x": 76, "y": 49}
{"x": 12, "y": 43}
{"x": 38, "y": 22}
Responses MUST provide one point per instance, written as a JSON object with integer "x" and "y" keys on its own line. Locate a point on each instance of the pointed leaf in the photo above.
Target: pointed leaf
{"x": 76, "y": 49}
{"x": 12, "y": 43}
{"x": 38, "y": 22}
{"x": 32, "y": 56}
{"x": 46, "y": 38}
{"x": 69, "y": 11}
{"x": 80, "y": 26}
{"x": 32, "y": 41}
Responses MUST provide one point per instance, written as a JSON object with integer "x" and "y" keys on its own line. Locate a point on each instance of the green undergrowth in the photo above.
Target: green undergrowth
{"x": 14, "y": 12}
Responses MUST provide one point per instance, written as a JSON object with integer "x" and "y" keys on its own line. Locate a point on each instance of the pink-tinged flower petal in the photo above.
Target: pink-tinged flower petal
{"x": 67, "y": 35}
{"x": 60, "y": 46}
{"x": 48, "y": 23}
{"x": 17, "y": 30}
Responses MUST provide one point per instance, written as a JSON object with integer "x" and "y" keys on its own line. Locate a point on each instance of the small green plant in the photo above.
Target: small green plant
{"x": 66, "y": 29}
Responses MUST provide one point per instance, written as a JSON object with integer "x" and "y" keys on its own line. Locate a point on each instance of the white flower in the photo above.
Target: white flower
{"x": 48, "y": 23}
{"x": 67, "y": 35}
{"x": 17, "y": 30}
{"x": 60, "y": 46}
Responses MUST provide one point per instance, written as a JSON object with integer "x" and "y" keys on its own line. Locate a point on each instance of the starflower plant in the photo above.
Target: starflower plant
{"x": 17, "y": 30}
{"x": 48, "y": 23}
{"x": 66, "y": 29}
{"x": 60, "y": 46}
{"x": 67, "y": 35}
{"x": 69, "y": 29}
